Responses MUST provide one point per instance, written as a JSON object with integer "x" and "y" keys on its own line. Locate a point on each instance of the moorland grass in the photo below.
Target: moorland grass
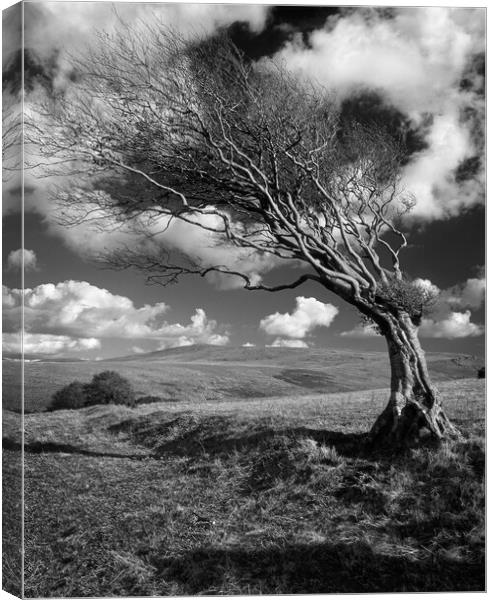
{"x": 226, "y": 374}
{"x": 273, "y": 495}
{"x": 11, "y": 521}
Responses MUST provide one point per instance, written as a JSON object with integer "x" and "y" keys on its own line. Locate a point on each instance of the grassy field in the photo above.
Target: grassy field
{"x": 248, "y": 496}
{"x": 224, "y": 374}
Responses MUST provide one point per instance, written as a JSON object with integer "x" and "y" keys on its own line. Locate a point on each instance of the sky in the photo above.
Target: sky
{"x": 418, "y": 69}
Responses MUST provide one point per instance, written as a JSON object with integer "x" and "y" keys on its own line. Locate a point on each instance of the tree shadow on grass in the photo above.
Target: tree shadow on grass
{"x": 346, "y": 444}
{"x": 54, "y": 447}
{"x": 315, "y": 569}
{"x": 186, "y": 435}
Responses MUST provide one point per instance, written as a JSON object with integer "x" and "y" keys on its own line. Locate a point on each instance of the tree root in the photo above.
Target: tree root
{"x": 415, "y": 426}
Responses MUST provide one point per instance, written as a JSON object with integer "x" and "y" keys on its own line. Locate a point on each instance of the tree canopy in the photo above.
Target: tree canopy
{"x": 171, "y": 129}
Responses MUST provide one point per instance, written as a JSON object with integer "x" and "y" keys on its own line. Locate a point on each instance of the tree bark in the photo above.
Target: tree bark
{"x": 414, "y": 413}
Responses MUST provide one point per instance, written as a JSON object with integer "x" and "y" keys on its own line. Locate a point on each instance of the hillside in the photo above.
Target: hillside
{"x": 316, "y": 357}
{"x": 224, "y": 373}
{"x": 261, "y": 496}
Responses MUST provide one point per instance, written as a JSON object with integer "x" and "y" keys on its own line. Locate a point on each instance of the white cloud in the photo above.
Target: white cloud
{"x": 79, "y": 310}
{"x": 414, "y": 57}
{"x": 34, "y": 343}
{"x": 286, "y": 343}
{"x": 207, "y": 248}
{"x": 72, "y": 25}
{"x": 469, "y": 295}
{"x": 14, "y": 259}
{"x": 360, "y": 331}
{"x": 8, "y": 299}
{"x": 427, "y": 286}
{"x": 308, "y": 314}
{"x": 430, "y": 176}
{"x": 455, "y": 325}
{"x": 416, "y": 60}
{"x": 451, "y": 316}
{"x": 212, "y": 339}
{"x": 137, "y": 350}
{"x": 203, "y": 247}
{"x": 249, "y": 345}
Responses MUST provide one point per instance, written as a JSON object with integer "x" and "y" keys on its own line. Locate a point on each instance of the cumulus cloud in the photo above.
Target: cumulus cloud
{"x": 34, "y": 343}
{"x": 308, "y": 314}
{"x": 416, "y": 60}
{"x": 8, "y": 299}
{"x": 69, "y": 26}
{"x": 286, "y": 343}
{"x": 366, "y": 49}
{"x": 214, "y": 339}
{"x": 360, "y": 331}
{"x": 137, "y": 350}
{"x": 454, "y": 325}
{"x": 207, "y": 248}
{"x": 451, "y": 316}
{"x": 17, "y": 258}
{"x": 427, "y": 286}
{"x": 81, "y": 311}
{"x": 249, "y": 345}
{"x": 471, "y": 294}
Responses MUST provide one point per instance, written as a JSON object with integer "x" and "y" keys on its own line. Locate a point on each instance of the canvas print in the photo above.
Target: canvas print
{"x": 243, "y": 300}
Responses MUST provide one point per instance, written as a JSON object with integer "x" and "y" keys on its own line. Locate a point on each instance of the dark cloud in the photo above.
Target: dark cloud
{"x": 37, "y": 71}
{"x": 40, "y": 67}
{"x": 283, "y": 23}
{"x": 369, "y": 12}
{"x": 468, "y": 169}
{"x": 474, "y": 77}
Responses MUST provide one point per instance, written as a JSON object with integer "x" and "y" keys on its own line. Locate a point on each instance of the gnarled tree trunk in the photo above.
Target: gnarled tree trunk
{"x": 414, "y": 411}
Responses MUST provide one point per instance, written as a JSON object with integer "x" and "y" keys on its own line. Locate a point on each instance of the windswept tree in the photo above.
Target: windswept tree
{"x": 159, "y": 129}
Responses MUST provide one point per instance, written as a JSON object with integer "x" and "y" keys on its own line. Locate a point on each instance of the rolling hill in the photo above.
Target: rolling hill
{"x": 213, "y": 373}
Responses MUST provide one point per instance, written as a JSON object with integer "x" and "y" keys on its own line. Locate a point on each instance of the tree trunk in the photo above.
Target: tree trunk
{"x": 414, "y": 412}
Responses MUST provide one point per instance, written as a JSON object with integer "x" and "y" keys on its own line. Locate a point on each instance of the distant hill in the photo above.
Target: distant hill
{"x": 264, "y": 354}
{"x": 16, "y": 356}
{"x": 221, "y": 374}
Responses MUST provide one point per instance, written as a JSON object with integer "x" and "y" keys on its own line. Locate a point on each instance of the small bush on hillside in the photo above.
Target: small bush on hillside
{"x": 73, "y": 395}
{"x": 481, "y": 373}
{"x": 109, "y": 387}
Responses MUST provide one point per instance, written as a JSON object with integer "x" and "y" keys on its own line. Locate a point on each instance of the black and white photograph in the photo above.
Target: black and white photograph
{"x": 243, "y": 299}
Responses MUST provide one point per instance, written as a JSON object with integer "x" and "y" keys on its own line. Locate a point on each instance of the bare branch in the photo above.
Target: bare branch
{"x": 245, "y": 152}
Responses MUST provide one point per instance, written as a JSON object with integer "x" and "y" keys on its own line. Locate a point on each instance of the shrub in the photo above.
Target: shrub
{"x": 413, "y": 297}
{"x": 109, "y": 387}
{"x": 481, "y": 373}
{"x": 73, "y": 395}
